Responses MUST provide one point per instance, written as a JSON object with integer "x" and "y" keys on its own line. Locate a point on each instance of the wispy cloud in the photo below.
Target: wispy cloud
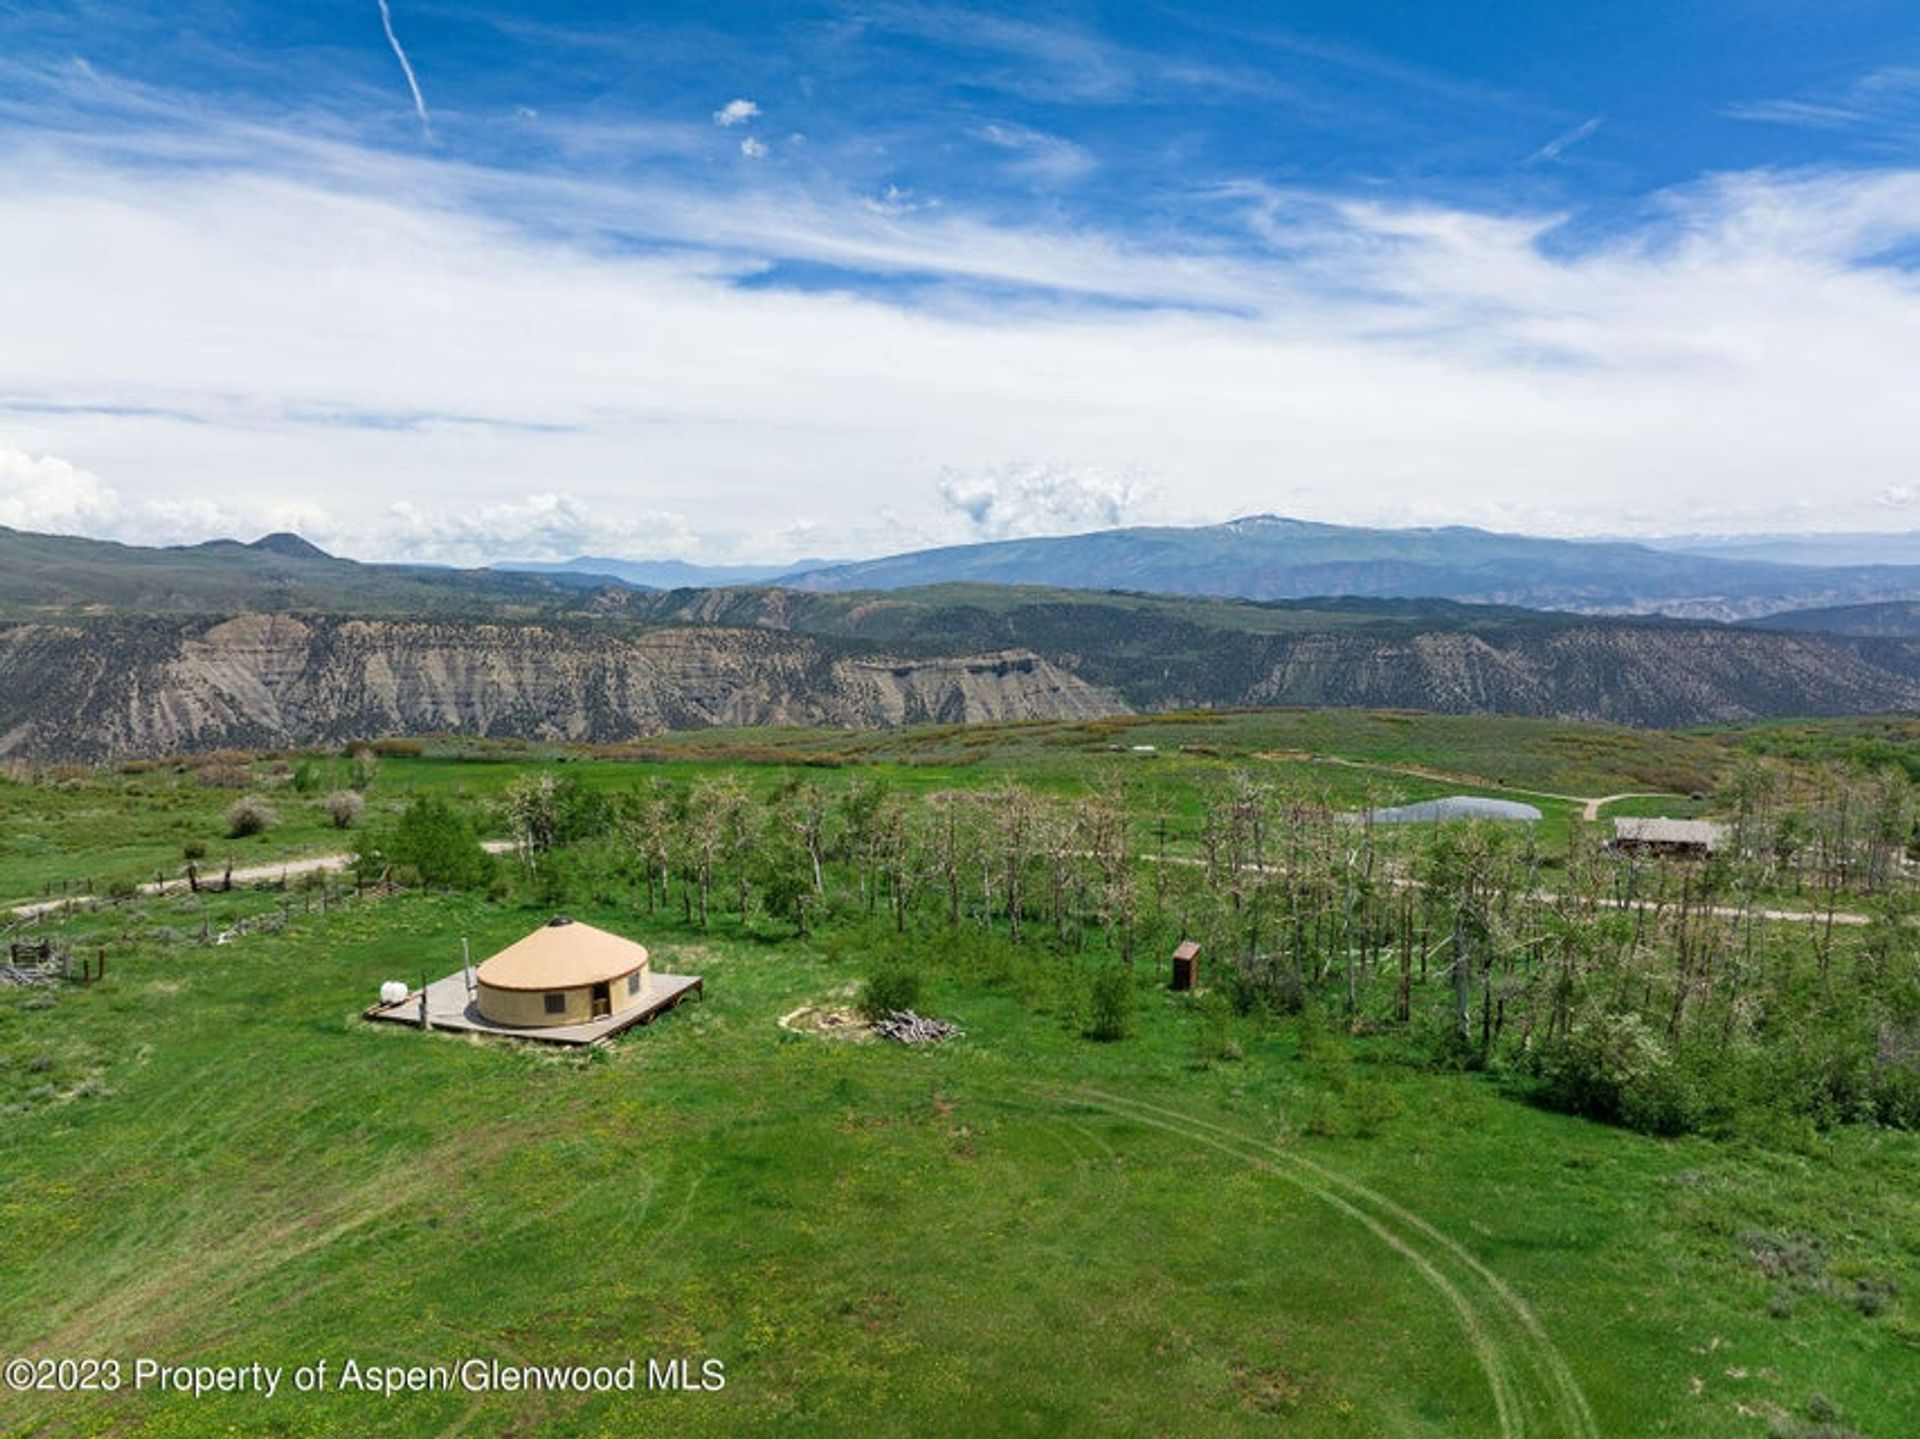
{"x": 1794, "y": 112}
{"x": 1561, "y": 143}
{"x": 753, "y": 149}
{"x": 406, "y": 68}
{"x": 735, "y": 112}
{"x": 1040, "y": 156}
{"x": 1884, "y": 101}
{"x": 1058, "y": 63}
{"x": 1368, "y": 360}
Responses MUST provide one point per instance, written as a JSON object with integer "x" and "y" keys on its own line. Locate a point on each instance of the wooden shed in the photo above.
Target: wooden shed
{"x": 1186, "y": 964}
{"x": 565, "y": 972}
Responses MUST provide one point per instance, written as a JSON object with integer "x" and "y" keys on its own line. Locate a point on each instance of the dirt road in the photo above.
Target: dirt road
{"x": 243, "y": 874}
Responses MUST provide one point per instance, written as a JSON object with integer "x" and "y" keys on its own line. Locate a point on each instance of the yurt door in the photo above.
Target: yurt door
{"x": 602, "y": 1000}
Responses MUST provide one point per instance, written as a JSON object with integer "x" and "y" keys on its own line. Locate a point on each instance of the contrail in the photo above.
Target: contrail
{"x": 1585, "y": 130}
{"x": 406, "y": 68}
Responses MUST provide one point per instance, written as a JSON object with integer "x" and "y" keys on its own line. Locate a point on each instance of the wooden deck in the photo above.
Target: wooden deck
{"x": 450, "y": 1008}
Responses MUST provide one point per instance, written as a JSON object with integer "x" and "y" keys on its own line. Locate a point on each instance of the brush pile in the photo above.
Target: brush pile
{"x": 903, "y": 1026}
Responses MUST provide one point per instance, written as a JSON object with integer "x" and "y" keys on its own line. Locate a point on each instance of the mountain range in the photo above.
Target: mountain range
{"x": 1267, "y": 557}
{"x": 1261, "y": 557}
{"x": 109, "y": 651}
{"x": 116, "y": 652}
{"x": 663, "y": 574}
{"x": 1898, "y": 547}
{"x": 64, "y": 574}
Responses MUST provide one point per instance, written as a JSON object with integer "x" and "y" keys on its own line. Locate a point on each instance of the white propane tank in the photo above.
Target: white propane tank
{"x": 393, "y": 991}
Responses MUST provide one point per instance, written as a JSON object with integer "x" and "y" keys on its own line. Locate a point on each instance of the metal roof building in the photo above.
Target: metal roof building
{"x": 1669, "y": 836}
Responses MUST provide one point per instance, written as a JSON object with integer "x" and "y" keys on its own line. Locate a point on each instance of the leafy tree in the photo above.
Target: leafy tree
{"x": 532, "y": 808}
{"x": 433, "y": 839}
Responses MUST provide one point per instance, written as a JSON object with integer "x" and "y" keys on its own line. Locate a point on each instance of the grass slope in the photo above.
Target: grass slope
{"x": 1021, "y": 1233}
{"x": 91, "y": 830}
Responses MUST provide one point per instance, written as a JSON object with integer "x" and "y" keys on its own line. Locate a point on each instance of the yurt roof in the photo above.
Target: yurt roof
{"x": 562, "y": 954}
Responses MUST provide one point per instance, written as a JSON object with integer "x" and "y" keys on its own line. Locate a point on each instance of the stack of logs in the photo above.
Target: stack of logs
{"x": 903, "y": 1026}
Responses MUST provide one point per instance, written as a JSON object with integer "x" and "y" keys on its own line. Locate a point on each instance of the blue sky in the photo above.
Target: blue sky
{"x": 743, "y": 281}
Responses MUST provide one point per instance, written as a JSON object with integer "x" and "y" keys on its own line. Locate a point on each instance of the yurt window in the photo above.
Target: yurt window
{"x": 556, "y": 1004}
{"x": 633, "y": 982}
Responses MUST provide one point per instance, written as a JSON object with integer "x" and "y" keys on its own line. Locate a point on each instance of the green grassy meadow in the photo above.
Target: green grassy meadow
{"x": 93, "y": 829}
{"x": 1217, "y": 1225}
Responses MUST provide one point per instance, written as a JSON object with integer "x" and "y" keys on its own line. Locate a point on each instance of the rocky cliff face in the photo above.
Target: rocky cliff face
{"x": 1665, "y": 676}
{"x": 112, "y": 687}
{"x": 1158, "y": 652}
{"x": 116, "y": 688}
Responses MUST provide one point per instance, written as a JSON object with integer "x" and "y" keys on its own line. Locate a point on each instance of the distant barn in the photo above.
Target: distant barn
{"x": 1676, "y": 838}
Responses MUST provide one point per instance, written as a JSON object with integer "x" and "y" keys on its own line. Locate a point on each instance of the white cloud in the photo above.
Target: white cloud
{"x": 753, "y": 149}
{"x": 1885, "y": 100}
{"x": 1043, "y": 157}
{"x": 897, "y": 201}
{"x": 1042, "y": 498}
{"x": 1560, "y": 144}
{"x": 1804, "y": 113}
{"x": 546, "y": 526}
{"x": 45, "y": 492}
{"x": 315, "y": 325}
{"x": 735, "y": 112}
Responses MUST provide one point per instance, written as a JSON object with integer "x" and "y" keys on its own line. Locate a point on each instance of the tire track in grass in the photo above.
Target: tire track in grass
{"x": 1571, "y": 1399}
{"x": 1550, "y": 1386}
{"x": 1488, "y": 1354}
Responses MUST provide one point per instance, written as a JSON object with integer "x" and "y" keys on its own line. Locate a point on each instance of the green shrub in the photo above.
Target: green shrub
{"x": 1110, "y": 1003}
{"x": 889, "y": 988}
{"x": 554, "y": 881}
{"x": 343, "y": 807}
{"x": 1373, "y": 1105}
{"x": 250, "y": 816}
{"x": 433, "y": 840}
{"x": 1611, "y": 1065}
{"x": 1213, "y": 1029}
{"x": 306, "y": 777}
{"x": 1265, "y": 985}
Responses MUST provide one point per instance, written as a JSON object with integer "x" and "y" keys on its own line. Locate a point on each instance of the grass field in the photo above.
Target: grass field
{"x": 1022, "y": 1232}
{"x": 1216, "y": 1225}
{"x": 93, "y": 830}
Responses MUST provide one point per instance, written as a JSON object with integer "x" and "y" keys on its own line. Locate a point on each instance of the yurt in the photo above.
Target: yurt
{"x": 565, "y": 972}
